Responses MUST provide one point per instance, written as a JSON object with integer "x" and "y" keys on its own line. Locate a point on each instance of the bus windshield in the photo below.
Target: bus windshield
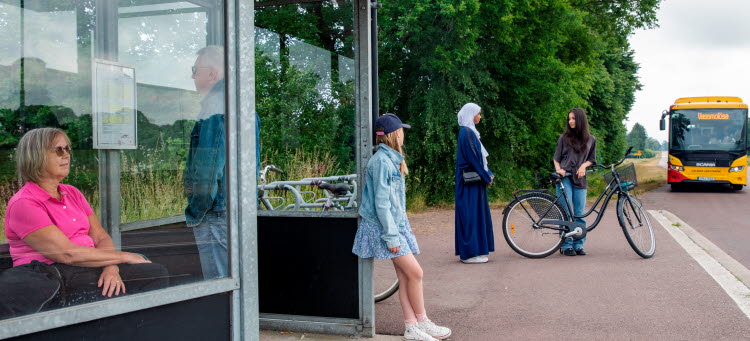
{"x": 708, "y": 129}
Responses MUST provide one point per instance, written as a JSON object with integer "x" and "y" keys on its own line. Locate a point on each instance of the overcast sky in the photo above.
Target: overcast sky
{"x": 701, "y": 48}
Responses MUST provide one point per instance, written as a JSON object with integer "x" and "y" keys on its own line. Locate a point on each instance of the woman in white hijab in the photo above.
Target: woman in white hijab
{"x": 474, "y": 235}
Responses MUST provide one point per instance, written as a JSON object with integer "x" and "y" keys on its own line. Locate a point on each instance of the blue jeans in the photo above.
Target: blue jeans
{"x": 576, "y": 197}
{"x": 211, "y": 239}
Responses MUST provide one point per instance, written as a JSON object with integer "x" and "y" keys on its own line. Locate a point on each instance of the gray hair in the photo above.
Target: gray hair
{"x": 213, "y": 55}
{"x": 31, "y": 153}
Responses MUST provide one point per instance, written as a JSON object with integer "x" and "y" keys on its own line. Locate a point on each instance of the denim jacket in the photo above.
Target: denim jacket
{"x": 384, "y": 194}
{"x": 205, "y": 182}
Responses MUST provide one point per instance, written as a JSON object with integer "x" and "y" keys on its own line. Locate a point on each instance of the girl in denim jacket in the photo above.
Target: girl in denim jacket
{"x": 384, "y": 231}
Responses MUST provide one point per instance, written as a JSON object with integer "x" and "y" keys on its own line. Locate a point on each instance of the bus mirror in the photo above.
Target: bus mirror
{"x": 662, "y": 123}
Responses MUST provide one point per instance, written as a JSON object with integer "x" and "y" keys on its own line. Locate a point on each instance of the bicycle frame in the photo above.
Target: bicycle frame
{"x": 609, "y": 191}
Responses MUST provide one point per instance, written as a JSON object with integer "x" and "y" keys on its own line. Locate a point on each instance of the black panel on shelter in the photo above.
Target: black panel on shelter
{"x": 306, "y": 266}
{"x": 205, "y": 318}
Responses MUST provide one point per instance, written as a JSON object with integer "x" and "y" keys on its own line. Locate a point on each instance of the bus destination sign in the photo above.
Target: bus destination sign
{"x": 716, "y": 116}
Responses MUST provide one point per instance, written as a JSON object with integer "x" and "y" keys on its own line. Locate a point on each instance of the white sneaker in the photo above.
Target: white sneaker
{"x": 475, "y": 260}
{"x": 414, "y": 333}
{"x": 434, "y": 330}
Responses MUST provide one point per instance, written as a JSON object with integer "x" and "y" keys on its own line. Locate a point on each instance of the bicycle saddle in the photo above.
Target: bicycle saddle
{"x": 336, "y": 189}
{"x": 555, "y": 178}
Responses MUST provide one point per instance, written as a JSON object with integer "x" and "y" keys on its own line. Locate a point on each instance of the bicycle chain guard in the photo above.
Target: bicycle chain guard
{"x": 570, "y": 227}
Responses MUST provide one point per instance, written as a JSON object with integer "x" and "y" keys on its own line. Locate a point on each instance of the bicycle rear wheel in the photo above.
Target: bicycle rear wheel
{"x": 636, "y": 225}
{"x": 521, "y": 220}
{"x": 386, "y": 281}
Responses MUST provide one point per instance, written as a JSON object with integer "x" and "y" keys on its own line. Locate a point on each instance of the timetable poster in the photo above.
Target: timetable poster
{"x": 114, "y": 106}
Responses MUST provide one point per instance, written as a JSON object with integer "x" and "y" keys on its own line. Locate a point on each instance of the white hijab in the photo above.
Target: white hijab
{"x": 466, "y": 119}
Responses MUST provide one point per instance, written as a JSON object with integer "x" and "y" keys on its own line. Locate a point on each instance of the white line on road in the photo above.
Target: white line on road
{"x": 728, "y": 281}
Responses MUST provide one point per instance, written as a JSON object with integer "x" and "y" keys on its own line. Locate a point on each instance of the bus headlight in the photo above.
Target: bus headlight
{"x": 678, "y": 168}
{"x": 736, "y": 169}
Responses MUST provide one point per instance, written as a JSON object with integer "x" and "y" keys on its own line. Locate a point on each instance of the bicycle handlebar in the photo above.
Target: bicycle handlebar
{"x": 556, "y": 176}
{"x": 274, "y": 169}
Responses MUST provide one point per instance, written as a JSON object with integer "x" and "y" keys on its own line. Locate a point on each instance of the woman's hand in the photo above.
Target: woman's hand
{"x": 393, "y": 249}
{"x": 561, "y": 172}
{"x": 492, "y": 180}
{"x": 132, "y": 258}
{"x": 110, "y": 281}
{"x": 581, "y": 171}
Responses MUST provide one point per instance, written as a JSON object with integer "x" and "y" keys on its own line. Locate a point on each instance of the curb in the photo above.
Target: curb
{"x": 273, "y": 335}
{"x": 736, "y": 268}
{"x": 721, "y": 267}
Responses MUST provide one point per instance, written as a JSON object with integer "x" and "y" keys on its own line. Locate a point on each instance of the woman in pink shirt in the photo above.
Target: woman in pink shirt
{"x": 52, "y": 223}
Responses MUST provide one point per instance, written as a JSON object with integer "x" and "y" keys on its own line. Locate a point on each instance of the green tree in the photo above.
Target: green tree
{"x": 525, "y": 62}
{"x": 653, "y": 144}
{"x": 637, "y": 137}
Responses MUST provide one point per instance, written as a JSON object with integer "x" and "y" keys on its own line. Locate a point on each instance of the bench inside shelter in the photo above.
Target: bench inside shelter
{"x": 170, "y": 245}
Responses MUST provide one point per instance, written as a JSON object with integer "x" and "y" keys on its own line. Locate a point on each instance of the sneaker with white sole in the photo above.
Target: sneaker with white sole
{"x": 475, "y": 260}
{"x": 414, "y": 333}
{"x": 434, "y": 330}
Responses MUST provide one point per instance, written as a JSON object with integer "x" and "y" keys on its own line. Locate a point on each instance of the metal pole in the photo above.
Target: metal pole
{"x": 374, "y": 41}
{"x": 105, "y": 47}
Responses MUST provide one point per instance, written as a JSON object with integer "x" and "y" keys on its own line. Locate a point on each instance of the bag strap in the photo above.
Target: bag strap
{"x": 471, "y": 142}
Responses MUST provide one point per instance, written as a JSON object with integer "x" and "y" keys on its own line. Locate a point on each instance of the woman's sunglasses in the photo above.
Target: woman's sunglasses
{"x": 60, "y": 151}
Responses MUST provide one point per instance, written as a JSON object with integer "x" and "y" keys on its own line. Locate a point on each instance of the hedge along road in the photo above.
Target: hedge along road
{"x": 609, "y": 294}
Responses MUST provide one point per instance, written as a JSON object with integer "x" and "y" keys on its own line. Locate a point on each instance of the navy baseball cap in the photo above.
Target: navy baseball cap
{"x": 388, "y": 123}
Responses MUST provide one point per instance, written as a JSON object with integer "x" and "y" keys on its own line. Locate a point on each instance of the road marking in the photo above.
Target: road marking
{"x": 709, "y": 256}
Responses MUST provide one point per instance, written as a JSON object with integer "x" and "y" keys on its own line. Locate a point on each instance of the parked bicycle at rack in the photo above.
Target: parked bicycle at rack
{"x": 339, "y": 192}
{"x": 535, "y": 223}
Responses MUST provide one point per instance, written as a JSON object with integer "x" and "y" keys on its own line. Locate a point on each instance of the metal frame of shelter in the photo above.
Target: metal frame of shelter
{"x": 242, "y": 285}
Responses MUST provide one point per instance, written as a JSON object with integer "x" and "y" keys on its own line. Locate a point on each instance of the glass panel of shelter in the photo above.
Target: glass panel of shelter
{"x": 176, "y": 50}
{"x": 305, "y": 99}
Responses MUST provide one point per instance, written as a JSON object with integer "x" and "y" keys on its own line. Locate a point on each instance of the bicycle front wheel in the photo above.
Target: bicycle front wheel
{"x": 522, "y": 225}
{"x": 385, "y": 279}
{"x": 636, "y": 225}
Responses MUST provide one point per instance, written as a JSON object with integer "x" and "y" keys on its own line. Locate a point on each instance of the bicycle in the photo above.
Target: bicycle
{"x": 340, "y": 194}
{"x": 535, "y": 224}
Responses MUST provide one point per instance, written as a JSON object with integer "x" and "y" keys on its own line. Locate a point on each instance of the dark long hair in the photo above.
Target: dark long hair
{"x": 578, "y": 137}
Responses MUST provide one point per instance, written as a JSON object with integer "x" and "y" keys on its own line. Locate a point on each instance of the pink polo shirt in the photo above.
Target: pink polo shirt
{"x": 32, "y": 208}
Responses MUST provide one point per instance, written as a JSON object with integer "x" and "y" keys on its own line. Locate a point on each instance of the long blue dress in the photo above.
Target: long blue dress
{"x": 474, "y": 234}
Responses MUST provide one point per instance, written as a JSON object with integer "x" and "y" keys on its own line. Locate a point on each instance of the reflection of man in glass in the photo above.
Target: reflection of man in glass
{"x": 205, "y": 182}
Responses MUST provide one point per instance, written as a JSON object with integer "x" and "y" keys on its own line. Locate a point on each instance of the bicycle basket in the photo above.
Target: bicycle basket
{"x": 626, "y": 173}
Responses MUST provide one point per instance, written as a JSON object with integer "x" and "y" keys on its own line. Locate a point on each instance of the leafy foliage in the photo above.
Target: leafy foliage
{"x": 305, "y": 103}
{"x": 638, "y": 137}
{"x": 525, "y": 62}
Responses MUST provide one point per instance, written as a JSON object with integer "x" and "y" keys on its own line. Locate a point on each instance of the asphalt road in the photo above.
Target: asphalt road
{"x": 610, "y": 294}
{"x": 717, "y": 212}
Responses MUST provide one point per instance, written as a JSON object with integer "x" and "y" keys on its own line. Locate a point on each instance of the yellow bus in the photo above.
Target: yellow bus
{"x": 707, "y": 141}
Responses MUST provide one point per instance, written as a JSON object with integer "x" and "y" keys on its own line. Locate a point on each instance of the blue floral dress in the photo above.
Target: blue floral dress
{"x": 368, "y": 244}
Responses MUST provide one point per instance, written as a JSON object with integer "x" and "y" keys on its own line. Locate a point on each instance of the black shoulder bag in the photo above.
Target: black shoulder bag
{"x": 471, "y": 178}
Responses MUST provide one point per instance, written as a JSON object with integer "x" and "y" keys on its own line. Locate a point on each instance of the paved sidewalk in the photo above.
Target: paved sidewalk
{"x": 271, "y": 335}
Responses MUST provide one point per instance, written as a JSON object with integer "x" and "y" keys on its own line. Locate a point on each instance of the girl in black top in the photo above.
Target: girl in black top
{"x": 576, "y": 150}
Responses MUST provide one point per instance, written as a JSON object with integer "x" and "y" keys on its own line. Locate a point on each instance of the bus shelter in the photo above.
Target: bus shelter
{"x": 134, "y": 83}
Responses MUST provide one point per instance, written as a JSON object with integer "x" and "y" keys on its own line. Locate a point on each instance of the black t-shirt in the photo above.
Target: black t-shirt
{"x": 570, "y": 160}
